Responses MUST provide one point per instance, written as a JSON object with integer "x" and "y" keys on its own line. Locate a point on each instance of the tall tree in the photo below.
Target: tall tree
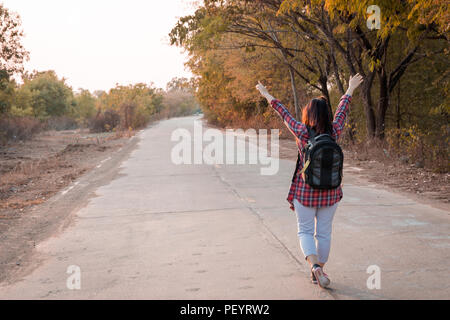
{"x": 321, "y": 42}
{"x": 12, "y": 55}
{"x": 50, "y": 96}
{"x": 12, "y": 51}
{"x": 342, "y": 25}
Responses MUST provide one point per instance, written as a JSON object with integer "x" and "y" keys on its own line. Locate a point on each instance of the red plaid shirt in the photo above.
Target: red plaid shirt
{"x": 299, "y": 190}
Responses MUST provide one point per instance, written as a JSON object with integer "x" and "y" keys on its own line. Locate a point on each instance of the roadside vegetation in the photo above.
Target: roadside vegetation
{"x": 40, "y": 100}
{"x": 302, "y": 49}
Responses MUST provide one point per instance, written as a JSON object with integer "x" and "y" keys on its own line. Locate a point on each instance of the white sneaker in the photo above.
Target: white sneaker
{"x": 322, "y": 278}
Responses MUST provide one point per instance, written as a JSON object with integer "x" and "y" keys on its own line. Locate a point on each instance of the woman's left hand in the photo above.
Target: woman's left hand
{"x": 354, "y": 83}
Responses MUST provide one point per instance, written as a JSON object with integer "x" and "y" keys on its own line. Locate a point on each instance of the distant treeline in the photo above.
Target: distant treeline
{"x": 43, "y": 101}
{"x": 302, "y": 49}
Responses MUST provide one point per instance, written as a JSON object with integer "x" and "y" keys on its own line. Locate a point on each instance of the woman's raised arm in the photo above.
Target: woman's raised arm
{"x": 297, "y": 128}
{"x": 342, "y": 109}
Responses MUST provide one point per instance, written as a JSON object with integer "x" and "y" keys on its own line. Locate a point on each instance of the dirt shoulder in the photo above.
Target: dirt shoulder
{"x": 417, "y": 183}
{"x": 33, "y": 171}
{"x": 37, "y": 196}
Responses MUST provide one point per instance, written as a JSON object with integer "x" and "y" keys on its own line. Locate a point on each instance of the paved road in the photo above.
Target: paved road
{"x": 161, "y": 231}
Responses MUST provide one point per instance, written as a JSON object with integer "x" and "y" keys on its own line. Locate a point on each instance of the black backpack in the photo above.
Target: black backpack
{"x": 323, "y": 161}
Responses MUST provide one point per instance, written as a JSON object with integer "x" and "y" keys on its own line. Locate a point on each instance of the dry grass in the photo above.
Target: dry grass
{"x": 383, "y": 165}
{"x": 33, "y": 171}
{"x": 19, "y": 128}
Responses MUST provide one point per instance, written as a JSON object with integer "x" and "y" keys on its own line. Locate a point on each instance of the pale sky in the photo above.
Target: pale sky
{"x": 95, "y": 44}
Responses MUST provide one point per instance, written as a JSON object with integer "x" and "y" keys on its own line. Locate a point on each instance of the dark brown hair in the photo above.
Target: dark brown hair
{"x": 317, "y": 115}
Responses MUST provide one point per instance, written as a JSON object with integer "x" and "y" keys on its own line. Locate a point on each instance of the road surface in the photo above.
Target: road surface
{"x": 150, "y": 229}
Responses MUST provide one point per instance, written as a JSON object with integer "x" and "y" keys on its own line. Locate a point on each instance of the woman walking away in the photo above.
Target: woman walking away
{"x": 316, "y": 186}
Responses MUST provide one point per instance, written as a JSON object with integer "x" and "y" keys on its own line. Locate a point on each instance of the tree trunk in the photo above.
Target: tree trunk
{"x": 294, "y": 94}
{"x": 398, "y": 113}
{"x": 291, "y": 74}
{"x": 383, "y": 105}
{"x": 351, "y": 121}
{"x": 368, "y": 106}
{"x": 398, "y": 116}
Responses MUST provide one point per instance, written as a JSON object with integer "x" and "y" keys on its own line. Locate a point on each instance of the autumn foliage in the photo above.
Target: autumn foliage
{"x": 302, "y": 49}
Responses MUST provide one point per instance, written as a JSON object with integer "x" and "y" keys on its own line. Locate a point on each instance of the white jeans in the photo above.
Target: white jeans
{"x": 315, "y": 223}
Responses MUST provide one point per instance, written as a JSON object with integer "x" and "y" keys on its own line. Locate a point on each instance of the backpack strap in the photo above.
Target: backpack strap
{"x": 312, "y": 134}
{"x": 296, "y": 166}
